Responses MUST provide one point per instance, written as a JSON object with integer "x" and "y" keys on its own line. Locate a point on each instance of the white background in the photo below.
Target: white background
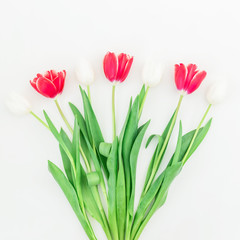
{"x": 35, "y": 36}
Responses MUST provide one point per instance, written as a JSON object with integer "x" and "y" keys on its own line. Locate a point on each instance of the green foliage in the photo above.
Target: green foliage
{"x": 90, "y": 164}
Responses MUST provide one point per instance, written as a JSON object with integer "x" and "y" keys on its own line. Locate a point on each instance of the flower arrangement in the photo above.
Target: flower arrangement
{"x": 96, "y": 171}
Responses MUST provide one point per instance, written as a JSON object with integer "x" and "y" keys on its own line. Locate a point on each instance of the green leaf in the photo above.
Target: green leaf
{"x": 80, "y": 119}
{"x": 151, "y": 138}
{"x": 130, "y": 134}
{"x": 199, "y": 138}
{"x": 157, "y": 152}
{"x": 178, "y": 147}
{"x": 133, "y": 164}
{"x": 88, "y": 198}
{"x": 60, "y": 140}
{"x": 112, "y": 164}
{"x": 142, "y": 94}
{"x": 97, "y": 166}
{"x": 148, "y": 208}
{"x": 121, "y": 187}
{"x": 94, "y": 128}
{"x": 66, "y": 162}
{"x": 71, "y": 196}
{"x": 105, "y": 149}
{"x": 93, "y": 178}
{"x": 121, "y": 199}
{"x": 145, "y": 202}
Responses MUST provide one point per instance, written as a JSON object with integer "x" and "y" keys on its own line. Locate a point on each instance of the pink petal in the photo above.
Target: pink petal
{"x": 180, "y": 74}
{"x": 127, "y": 69}
{"x": 197, "y": 80}
{"x": 33, "y": 84}
{"x": 46, "y": 87}
{"x": 122, "y": 61}
{"x": 51, "y": 75}
{"x": 110, "y": 66}
{"x": 59, "y": 81}
{"x": 191, "y": 71}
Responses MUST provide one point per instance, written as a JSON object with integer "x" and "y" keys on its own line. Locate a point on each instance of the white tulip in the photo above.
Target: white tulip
{"x": 152, "y": 73}
{"x": 216, "y": 92}
{"x": 18, "y": 104}
{"x": 84, "y": 72}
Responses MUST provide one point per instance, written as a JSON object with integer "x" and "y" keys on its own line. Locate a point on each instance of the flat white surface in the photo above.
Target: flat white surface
{"x": 203, "y": 202}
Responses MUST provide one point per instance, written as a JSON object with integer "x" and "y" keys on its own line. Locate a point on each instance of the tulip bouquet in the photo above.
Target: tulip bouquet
{"x": 99, "y": 178}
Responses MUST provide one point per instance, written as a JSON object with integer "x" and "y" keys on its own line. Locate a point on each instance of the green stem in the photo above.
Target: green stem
{"x": 88, "y": 92}
{"x": 63, "y": 116}
{"x": 156, "y": 163}
{"x": 143, "y": 101}
{"x": 103, "y": 214}
{"x": 195, "y": 135}
{"x": 39, "y": 119}
{"x": 113, "y": 112}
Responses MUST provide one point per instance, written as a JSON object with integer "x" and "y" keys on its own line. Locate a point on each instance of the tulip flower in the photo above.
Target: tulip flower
{"x": 50, "y": 84}
{"x": 188, "y": 78}
{"x": 216, "y": 93}
{"x": 18, "y": 104}
{"x": 84, "y": 72}
{"x": 117, "y": 68}
{"x": 152, "y": 73}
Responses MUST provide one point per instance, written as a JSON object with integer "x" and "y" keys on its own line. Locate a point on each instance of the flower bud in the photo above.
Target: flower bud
{"x": 216, "y": 92}
{"x": 152, "y": 73}
{"x": 17, "y": 104}
{"x": 84, "y": 72}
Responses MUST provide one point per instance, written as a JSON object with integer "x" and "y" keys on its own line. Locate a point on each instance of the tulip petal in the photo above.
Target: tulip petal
{"x": 110, "y": 66}
{"x": 191, "y": 72}
{"x": 122, "y": 61}
{"x": 180, "y": 74}
{"x": 197, "y": 80}
{"x": 127, "y": 69}
{"x": 60, "y": 81}
{"x": 51, "y": 75}
{"x": 46, "y": 87}
{"x": 33, "y": 83}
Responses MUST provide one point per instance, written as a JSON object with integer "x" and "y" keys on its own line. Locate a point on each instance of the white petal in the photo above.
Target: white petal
{"x": 152, "y": 73}
{"x": 17, "y": 104}
{"x": 216, "y": 92}
{"x": 84, "y": 72}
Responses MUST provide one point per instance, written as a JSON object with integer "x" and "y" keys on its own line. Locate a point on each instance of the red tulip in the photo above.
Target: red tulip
{"x": 188, "y": 79}
{"x": 117, "y": 68}
{"x": 50, "y": 84}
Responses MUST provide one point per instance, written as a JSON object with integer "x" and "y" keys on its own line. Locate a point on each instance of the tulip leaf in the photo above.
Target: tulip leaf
{"x": 178, "y": 147}
{"x": 89, "y": 199}
{"x": 97, "y": 166}
{"x": 151, "y": 138}
{"x": 80, "y": 119}
{"x": 121, "y": 187}
{"x": 141, "y": 95}
{"x": 112, "y": 164}
{"x": 199, "y": 138}
{"x": 165, "y": 179}
{"x": 157, "y": 152}
{"x": 71, "y": 196}
{"x": 129, "y": 136}
{"x": 59, "y": 139}
{"x": 133, "y": 164}
{"x": 65, "y": 159}
{"x": 95, "y": 131}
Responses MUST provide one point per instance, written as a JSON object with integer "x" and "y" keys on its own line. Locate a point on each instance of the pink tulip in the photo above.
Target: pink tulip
{"x": 117, "y": 68}
{"x": 188, "y": 78}
{"x": 50, "y": 84}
